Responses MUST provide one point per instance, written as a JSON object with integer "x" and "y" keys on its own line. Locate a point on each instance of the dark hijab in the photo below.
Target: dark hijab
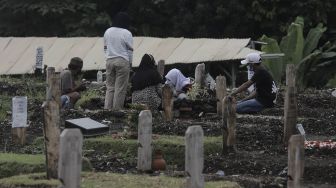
{"x": 146, "y": 75}
{"x": 121, "y": 20}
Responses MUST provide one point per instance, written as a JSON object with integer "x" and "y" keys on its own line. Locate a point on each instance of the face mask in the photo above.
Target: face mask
{"x": 249, "y": 67}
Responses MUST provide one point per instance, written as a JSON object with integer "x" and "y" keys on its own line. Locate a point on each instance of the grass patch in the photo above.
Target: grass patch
{"x": 173, "y": 147}
{"x": 13, "y": 164}
{"x": 107, "y": 180}
{"x": 30, "y": 180}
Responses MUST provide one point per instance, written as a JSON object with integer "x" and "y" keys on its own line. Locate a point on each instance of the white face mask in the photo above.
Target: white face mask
{"x": 250, "y": 67}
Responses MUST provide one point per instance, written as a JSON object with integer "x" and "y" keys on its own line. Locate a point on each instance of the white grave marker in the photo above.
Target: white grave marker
{"x": 39, "y": 58}
{"x": 19, "y": 111}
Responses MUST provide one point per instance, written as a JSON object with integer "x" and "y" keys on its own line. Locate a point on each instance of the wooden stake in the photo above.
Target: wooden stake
{"x": 220, "y": 93}
{"x": 290, "y": 108}
{"x": 229, "y": 124}
{"x": 194, "y": 158}
{"x": 145, "y": 141}
{"x": 70, "y": 162}
{"x": 200, "y": 75}
{"x": 167, "y": 102}
{"x": 160, "y": 67}
{"x": 295, "y": 161}
{"x": 52, "y": 122}
{"x": 19, "y": 135}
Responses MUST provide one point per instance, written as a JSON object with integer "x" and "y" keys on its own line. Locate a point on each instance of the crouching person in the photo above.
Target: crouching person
{"x": 71, "y": 91}
{"x": 146, "y": 84}
{"x": 265, "y": 93}
{"x": 179, "y": 83}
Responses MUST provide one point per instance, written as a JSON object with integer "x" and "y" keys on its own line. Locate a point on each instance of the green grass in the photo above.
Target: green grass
{"x": 173, "y": 147}
{"x": 30, "y": 180}
{"x": 13, "y": 164}
{"x": 22, "y": 158}
{"x": 107, "y": 180}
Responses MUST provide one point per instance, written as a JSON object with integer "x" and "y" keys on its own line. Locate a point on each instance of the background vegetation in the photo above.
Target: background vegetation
{"x": 163, "y": 18}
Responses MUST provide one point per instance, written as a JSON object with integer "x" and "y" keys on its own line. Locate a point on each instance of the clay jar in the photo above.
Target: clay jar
{"x": 158, "y": 163}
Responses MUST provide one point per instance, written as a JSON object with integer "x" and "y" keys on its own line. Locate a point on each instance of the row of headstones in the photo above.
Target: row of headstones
{"x": 194, "y": 152}
{"x": 226, "y": 108}
{"x": 71, "y": 142}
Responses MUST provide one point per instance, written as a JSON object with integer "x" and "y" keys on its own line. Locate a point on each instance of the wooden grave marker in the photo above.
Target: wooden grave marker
{"x": 70, "y": 160}
{"x": 145, "y": 141}
{"x": 200, "y": 75}
{"x": 220, "y": 93}
{"x": 290, "y": 106}
{"x": 194, "y": 157}
{"x": 160, "y": 67}
{"x": 295, "y": 161}
{"x": 229, "y": 124}
{"x": 167, "y": 102}
{"x": 51, "y": 128}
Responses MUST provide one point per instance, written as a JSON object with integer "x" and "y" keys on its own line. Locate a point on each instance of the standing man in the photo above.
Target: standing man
{"x": 264, "y": 94}
{"x": 118, "y": 47}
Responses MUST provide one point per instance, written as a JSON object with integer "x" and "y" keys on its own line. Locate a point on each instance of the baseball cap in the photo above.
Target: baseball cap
{"x": 251, "y": 58}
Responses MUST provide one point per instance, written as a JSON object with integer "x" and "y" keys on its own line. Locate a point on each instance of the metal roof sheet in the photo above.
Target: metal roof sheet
{"x": 18, "y": 54}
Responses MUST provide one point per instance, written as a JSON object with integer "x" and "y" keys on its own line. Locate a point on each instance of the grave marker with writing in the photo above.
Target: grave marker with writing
{"x": 19, "y": 119}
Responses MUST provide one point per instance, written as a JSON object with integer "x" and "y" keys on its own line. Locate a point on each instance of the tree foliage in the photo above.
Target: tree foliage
{"x": 315, "y": 66}
{"x": 163, "y": 18}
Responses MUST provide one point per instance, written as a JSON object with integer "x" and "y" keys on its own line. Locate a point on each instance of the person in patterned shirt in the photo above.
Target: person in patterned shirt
{"x": 146, "y": 84}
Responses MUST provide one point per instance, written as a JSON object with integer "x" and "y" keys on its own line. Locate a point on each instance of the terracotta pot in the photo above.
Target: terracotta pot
{"x": 158, "y": 164}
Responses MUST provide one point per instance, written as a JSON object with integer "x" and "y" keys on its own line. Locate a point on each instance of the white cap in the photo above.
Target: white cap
{"x": 251, "y": 58}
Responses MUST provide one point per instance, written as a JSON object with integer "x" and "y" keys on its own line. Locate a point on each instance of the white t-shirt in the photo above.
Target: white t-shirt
{"x": 118, "y": 42}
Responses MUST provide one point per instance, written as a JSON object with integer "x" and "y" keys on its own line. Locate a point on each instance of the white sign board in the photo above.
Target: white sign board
{"x": 19, "y": 112}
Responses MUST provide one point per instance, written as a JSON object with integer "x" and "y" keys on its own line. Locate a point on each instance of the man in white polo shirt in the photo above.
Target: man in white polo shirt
{"x": 118, "y": 47}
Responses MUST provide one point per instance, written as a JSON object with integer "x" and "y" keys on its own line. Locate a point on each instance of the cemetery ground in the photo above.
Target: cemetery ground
{"x": 110, "y": 159}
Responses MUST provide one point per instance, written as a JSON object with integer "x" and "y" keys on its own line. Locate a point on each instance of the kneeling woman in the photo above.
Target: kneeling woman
{"x": 179, "y": 83}
{"x": 146, "y": 84}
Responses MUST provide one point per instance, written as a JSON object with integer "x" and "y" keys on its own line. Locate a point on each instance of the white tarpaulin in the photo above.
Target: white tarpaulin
{"x": 18, "y": 55}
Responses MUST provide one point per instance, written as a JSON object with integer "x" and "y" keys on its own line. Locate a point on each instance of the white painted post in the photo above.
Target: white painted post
{"x": 194, "y": 158}
{"x": 295, "y": 161}
{"x": 145, "y": 141}
{"x": 220, "y": 93}
{"x": 70, "y": 159}
{"x": 200, "y": 75}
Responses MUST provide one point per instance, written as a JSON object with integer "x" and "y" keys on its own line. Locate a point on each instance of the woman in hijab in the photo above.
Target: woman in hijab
{"x": 178, "y": 82}
{"x": 146, "y": 83}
